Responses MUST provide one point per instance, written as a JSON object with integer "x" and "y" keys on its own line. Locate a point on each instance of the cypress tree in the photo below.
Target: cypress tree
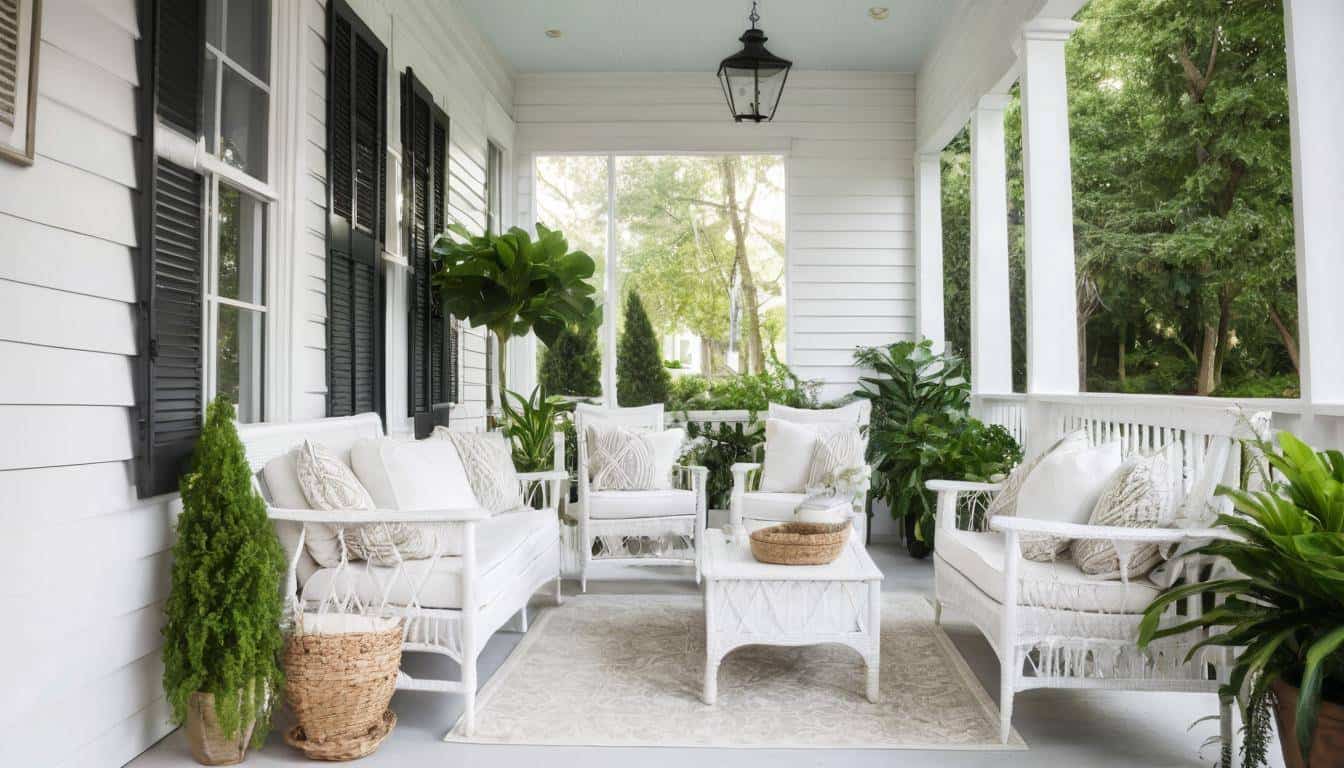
{"x": 640, "y": 378}
{"x": 573, "y": 364}
{"x": 222, "y": 634}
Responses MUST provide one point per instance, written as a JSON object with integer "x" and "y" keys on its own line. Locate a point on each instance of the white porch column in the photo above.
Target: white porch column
{"x": 991, "y": 333}
{"x": 1314, "y": 30}
{"x": 1052, "y": 304}
{"x": 929, "y": 249}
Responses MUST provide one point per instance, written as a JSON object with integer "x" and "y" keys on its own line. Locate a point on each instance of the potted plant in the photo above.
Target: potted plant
{"x": 514, "y": 286}
{"x": 222, "y": 639}
{"x": 1283, "y": 608}
{"x": 922, "y": 430}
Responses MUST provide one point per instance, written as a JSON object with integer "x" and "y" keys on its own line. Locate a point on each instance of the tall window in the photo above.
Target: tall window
{"x": 236, "y": 106}
{"x": 699, "y": 237}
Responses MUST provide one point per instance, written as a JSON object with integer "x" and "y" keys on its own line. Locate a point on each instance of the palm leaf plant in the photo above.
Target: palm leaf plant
{"x": 514, "y": 285}
{"x": 1284, "y": 607}
{"x": 530, "y": 428}
{"x": 922, "y": 430}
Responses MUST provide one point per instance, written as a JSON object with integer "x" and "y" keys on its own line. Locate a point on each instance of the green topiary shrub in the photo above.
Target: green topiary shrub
{"x": 640, "y": 377}
{"x": 573, "y": 364}
{"x": 222, "y": 634}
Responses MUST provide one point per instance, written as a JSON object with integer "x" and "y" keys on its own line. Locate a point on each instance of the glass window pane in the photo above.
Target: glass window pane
{"x": 242, "y": 246}
{"x": 572, "y": 197}
{"x": 208, "y": 99}
{"x": 243, "y": 120}
{"x": 248, "y": 35}
{"x": 239, "y": 354}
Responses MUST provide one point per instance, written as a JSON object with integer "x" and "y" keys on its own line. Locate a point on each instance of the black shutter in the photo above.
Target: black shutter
{"x": 424, "y": 140}
{"x": 171, "y": 227}
{"x": 356, "y": 169}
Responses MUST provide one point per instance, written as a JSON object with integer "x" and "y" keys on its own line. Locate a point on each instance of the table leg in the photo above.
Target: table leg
{"x": 712, "y": 656}
{"x": 874, "y": 656}
{"x": 711, "y": 692}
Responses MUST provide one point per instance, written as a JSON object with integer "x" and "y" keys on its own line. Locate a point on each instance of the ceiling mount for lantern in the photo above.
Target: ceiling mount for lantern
{"x": 753, "y": 78}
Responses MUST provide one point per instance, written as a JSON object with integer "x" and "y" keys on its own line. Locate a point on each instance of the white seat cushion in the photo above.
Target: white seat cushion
{"x": 505, "y": 545}
{"x": 1060, "y": 585}
{"x": 621, "y": 505}
{"x": 764, "y": 505}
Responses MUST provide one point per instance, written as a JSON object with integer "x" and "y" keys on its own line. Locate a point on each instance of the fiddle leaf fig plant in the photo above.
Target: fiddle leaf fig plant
{"x": 513, "y": 285}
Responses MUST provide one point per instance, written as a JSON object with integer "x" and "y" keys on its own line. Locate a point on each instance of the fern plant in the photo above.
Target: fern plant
{"x": 530, "y": 427}
{"x": 222, "y": 634}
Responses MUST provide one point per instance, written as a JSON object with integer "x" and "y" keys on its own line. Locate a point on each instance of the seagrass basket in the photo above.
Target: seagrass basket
{"x": 800, "y": 543}
{"x": 340, "y": 674}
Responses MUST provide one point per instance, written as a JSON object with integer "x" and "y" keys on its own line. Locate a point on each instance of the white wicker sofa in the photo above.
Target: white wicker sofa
{"x": 451, "y": 604}
{"x": 1051, "y": 625}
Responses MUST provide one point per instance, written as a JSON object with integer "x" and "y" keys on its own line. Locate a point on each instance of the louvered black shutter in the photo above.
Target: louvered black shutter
{"x": 424, "y": 141}
{"x": 356, "y": 138}
{"x": 170, "y": 230}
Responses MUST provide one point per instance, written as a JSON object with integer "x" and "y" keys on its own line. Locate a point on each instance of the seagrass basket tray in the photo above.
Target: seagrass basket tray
{"x": 800, "y": 543}
{"x": 339, "y": 681}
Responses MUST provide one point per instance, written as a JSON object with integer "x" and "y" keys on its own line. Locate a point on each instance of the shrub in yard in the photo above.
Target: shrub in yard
{"x": 746, "y": 391}
{"x": 640, "y": 377}
{"x": 573, "y": 364}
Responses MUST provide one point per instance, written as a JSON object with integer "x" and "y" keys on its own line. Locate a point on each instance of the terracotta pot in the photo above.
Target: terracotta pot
{"x": 1327, "y": 750}
{"x": 208, "y": 744}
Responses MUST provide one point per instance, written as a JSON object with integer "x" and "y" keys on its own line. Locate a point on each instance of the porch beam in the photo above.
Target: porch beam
{"x": 991, "y": 334}
{"x": 929, "y": 322}
{"x": 1052, "y": 303}
{"x": 1314, "y": 29}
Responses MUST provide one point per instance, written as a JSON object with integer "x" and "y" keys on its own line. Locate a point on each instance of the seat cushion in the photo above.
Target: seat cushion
{"x": 505, "y": 545}
{"x": 764, "y": 505}
{"x": 620, "y": 505}
{"x": 979, "y": 557}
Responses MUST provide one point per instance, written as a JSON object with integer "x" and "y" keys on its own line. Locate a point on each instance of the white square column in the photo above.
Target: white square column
{"x": 991, "y": 331}
{"x": 1052, "y": 302}
{"x": 929, "y": 322}
{"x": 1314, "y": 31}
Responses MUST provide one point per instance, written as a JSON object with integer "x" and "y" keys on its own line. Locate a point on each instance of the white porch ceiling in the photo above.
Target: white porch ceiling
{"x": 693, "y": 35}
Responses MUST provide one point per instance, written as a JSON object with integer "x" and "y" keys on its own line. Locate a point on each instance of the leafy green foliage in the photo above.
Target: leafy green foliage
{"x": 513, "y": 286}
{"x": 1285, "y": 606}
{"x": 640, "y": 377}
{"x": 573, "y": 364}
{"x": 717, "y": 448}
{"x": 746, "y": 391}
{"x": 222, "y": 634}
{"x": 922, "y": 430}
{"x": 529, "y": 426}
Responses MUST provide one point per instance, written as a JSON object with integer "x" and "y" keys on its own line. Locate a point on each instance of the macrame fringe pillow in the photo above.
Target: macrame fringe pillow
{"x": 1139, "y": 495}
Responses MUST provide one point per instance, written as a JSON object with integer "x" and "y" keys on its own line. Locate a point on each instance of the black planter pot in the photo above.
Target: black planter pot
{"x": 917, "y": 549}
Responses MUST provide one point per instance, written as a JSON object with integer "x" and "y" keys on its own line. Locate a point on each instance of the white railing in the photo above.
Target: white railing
{"x": 707, "y": 418}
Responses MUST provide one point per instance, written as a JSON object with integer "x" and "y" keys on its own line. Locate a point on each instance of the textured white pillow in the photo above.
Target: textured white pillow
{"x": 411, "y": 476}
{"x": 1064, "y": 487}
{"x": 1138, "y": 495}
{"x": 329, "y": 485}
{"x": 488, "y": 462}
{"x": 619, "y": 459}
{"x": 841, "y": 449}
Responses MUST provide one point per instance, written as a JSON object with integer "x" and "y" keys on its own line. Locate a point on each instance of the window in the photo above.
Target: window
{"x": 700, "y": 237}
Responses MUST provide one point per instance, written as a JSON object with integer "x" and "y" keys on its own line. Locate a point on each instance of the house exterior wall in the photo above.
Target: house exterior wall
{"x": 473, "y": 87}
{"x": 848, "y": 142}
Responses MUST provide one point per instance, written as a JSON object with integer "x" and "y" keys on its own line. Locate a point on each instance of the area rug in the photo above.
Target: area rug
{"x": 626, "y": 670}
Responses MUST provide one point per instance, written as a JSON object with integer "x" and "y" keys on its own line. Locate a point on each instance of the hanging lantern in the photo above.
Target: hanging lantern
{"x": 753, "y": 78}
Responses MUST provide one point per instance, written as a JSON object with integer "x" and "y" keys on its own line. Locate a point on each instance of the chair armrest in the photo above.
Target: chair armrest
{"x": 744, "y": 466}
{"x": 1022, "y": 525}
{"x": 362, "y": 516}
{"x": 543, "y": 476}
{"x": 962, "y": 486}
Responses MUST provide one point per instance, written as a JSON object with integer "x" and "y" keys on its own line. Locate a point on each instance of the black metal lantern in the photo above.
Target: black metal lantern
{"x": 753, "y": 78}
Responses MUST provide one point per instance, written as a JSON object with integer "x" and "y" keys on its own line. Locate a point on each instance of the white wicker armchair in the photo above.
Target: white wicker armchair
{"x": 451, "y": 604}
{"x": 1051, "y": 625}
{"x": 618, "y": 518}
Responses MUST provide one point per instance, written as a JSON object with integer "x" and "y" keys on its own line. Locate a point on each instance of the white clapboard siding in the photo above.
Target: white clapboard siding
{"x": 87, "y": 558}
{"x": 848, "y": 139}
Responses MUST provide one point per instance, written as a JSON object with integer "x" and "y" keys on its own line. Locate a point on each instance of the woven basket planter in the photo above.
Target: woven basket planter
{"x": 339, "y": 683}
{"x": 800, "y": 543}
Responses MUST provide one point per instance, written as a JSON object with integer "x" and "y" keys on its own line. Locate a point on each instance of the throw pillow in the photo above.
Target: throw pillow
{"x": 489, "y": 464}
{"x": 838, "y": 450}
{"x": 1064, "y": 487}
{"x": 855, "y": 413}
{"x": 788, "y": 456}
{"x": 1138, "y": 495}
{"x": 619, "y": 459}
{"x": 667, "y": 447}
{"x": 1005, "y": 501}
{"x": 411, "y": 476}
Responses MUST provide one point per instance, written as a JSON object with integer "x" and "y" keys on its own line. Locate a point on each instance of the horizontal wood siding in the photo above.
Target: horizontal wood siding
{"x": 88, "y": 560}
{"x": 849, "y": 143}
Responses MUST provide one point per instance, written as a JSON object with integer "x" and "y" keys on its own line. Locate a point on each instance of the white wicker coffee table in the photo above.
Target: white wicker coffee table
{"x": 753, "y": 603}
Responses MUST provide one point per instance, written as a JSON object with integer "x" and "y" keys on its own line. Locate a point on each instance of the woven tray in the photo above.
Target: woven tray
{"x": 800, "y": 543}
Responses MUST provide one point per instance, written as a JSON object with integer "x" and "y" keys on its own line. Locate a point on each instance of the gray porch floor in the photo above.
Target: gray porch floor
{"x": 1064, "y": 728}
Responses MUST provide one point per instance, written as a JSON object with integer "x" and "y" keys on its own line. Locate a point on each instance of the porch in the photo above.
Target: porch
{"x": 311, "y": 330}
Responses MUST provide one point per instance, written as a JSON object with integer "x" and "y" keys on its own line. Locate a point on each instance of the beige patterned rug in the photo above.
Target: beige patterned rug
{"x": 626, "y": 670}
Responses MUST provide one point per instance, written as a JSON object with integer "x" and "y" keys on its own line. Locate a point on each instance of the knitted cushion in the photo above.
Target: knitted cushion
{"x": 1139, "y": 495}
{"x": 834, "y": 451}
{"x": 620, "y": 459}
{"x": 489, "y": 463}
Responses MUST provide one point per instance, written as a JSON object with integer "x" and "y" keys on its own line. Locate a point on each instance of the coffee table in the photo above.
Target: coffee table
{"x": 753, "y": 603}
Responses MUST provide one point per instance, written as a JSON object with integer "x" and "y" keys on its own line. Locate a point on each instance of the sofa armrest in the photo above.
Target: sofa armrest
{"x": 1026, "y": 525}
{"x": 549, "y": 482}
{"x": 951, "y": 513}
{"x": 362, "y": 516}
